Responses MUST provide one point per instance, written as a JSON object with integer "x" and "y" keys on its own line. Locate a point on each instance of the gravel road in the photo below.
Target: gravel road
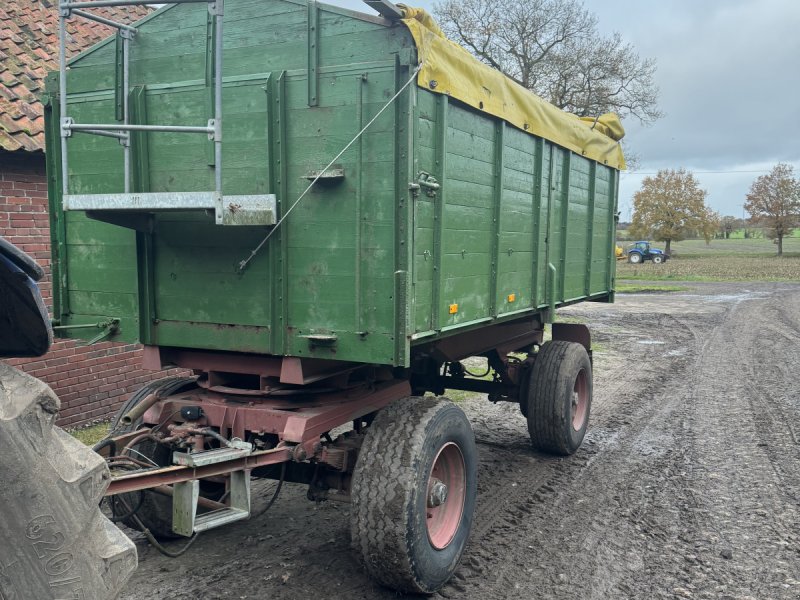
{"x": 687, "y": 485}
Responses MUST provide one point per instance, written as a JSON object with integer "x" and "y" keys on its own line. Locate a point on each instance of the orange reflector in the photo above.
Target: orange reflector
{"x": 453, "y": 309}
{"x": 512, "y": 297}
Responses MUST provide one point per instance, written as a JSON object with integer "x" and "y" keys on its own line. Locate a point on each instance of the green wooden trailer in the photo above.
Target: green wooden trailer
{"x": 201, "y": 204}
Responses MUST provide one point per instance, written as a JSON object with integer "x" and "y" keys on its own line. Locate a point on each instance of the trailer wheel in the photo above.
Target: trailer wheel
{"x": 559, "y": 397}
{"x": 55, "y": 541}
{"x": 413, "y": 494}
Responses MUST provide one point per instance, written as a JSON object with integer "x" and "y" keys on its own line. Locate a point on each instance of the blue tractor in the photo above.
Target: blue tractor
{"x": 639, "y": 252}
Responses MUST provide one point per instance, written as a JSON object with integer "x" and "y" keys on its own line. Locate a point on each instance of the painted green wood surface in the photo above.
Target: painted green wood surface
{"x": 362, "y": 259}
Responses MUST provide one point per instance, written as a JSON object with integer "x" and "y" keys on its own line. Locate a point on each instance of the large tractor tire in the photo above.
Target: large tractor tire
{"x": 413, "y": 494}
{"x": 55, "y": 541}
{"x": 559, "y": 397}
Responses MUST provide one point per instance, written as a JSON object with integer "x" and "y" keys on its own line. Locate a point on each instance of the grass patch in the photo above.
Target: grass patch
{"x": 89, "y": 436}
{"x": 629, "y": 288}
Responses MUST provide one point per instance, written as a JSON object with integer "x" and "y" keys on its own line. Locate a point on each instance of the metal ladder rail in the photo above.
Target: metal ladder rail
{"x": 122, "y": 131}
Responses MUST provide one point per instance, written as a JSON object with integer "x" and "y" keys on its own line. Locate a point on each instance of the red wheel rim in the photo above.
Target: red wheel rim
{"x": 580, "y": 401}
{"x": 445, "y": 505}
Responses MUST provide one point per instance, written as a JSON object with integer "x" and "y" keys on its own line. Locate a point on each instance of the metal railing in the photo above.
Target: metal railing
{"x": 122, "y": 131}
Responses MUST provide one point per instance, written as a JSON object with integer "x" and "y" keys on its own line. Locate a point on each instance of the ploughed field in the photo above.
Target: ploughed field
{"x": 687, "y": 485}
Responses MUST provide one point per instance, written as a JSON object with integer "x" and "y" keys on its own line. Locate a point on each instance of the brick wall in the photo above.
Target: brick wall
{"x": 91, "y": 381}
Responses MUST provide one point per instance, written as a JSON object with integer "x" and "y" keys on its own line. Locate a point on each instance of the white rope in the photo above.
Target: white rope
{"x": 245, "y": 262}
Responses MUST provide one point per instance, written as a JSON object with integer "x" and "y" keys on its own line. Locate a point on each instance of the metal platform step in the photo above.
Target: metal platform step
{"x": 210, "y": 457}
{"x": 218, "y": 518}
{"x": 228, "y": 210}
{"x": 185, "y": 520}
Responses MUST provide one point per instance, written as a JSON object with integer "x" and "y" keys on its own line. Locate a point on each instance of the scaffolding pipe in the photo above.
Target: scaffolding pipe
{"x": 62, "y": 94}
{"x": 219, "y": 9}
{"x": 103, "y": 3}
{"x": 121, "y": 131}
{"x": 111, "y": 134}
{"x": 129, "y": 127}
{"x": 126, "y": 144}
{"x": 103, "y": 20}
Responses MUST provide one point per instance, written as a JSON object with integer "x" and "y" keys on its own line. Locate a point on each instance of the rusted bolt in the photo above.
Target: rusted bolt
{"x": 433, "y": 83}
{"x": 437, "y": 494}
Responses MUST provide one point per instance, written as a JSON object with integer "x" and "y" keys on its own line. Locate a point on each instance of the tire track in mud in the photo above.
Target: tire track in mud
{"x": 782, "y": 365}
{"x": 670, "y": 475}
{"x": 505, "y": 512}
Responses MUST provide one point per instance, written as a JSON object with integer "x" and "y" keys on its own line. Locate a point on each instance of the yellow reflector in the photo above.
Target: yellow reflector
{"x": 512, "y": 297}
{"x": 453, "y": 309}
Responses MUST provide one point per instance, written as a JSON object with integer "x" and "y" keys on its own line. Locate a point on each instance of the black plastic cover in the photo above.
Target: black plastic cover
{"x": 25, "y": 328}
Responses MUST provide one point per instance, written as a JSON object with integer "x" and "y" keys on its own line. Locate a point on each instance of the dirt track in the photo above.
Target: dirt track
{"x": 688, "y": 483}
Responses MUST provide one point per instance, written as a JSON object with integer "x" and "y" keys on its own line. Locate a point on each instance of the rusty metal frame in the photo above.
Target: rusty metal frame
{"x": 299, "y": 424}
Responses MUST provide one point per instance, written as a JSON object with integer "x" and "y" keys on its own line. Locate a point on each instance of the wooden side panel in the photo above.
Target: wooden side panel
{"x": 330, "y": 267}
{"x": 340, "y": 237}
{"x": 518, "y": 224}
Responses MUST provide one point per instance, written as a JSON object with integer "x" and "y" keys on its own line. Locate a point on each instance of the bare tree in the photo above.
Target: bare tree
{"x": 774, "y": 201}
{"x": 553, "y": 48}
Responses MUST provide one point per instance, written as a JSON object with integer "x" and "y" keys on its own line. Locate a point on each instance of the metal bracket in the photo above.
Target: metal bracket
{"x": 216, "y": 126}
{"x": 217, "y": 8}
{"x": 185, "y": 520}
{"x": 66, "y": 124}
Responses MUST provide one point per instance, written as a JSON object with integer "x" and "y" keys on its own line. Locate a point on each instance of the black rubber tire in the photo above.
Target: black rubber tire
{"x": 550, "y": 397}
{"x": 51, "y": 527}
{"x": 657, "y": 260}
{"x": 635, "y": 258}
{"x": 389, "y": 504}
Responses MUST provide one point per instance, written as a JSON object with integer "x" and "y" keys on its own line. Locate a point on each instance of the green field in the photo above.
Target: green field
{"x": 721, "y": 260}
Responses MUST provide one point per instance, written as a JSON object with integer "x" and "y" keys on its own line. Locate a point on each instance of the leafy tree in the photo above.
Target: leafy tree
{"x": 670, "y": 206}
{"x": 553, "y": 48}
{"x": 774, "y": 202}
{"x": 709, "y": 225}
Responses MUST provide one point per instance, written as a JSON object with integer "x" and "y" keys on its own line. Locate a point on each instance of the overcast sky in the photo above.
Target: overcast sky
{"x": 729, "y": 74}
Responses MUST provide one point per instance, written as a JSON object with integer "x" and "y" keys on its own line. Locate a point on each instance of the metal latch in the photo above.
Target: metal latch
{"x": 427, "y": 181}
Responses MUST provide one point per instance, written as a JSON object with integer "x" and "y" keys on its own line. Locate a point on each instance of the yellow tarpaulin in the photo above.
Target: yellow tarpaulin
{"x": 460, "y": 75}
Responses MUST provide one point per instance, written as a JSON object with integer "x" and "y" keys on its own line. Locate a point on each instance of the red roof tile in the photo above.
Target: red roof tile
{"x": 28, "y": 50}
